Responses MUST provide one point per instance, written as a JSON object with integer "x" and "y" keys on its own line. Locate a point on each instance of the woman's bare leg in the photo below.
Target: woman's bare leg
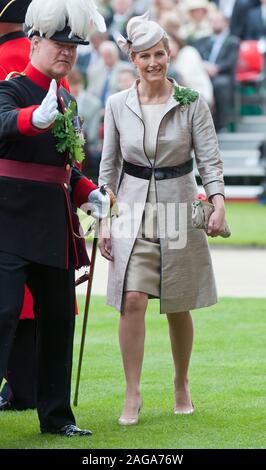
{"x": 181, "y": 336}
{"x": 131, "y": 338}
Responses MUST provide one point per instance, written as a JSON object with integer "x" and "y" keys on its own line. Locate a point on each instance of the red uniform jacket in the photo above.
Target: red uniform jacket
{"x": 14, "y": 57}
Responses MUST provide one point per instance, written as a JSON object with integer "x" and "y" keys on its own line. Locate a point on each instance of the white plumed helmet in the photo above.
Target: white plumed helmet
{"x": 64, "y": 20}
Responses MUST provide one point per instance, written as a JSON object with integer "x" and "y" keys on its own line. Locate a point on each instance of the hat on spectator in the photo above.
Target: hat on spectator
{"x": 13, "y": 11}
{"x": 142, "y": 34}
{"x": 63, "y": 20}
{"x": 194, "y": 4}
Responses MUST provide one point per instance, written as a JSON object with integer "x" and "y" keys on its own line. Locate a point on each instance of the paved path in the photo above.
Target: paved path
{"x": 239, "y": 272}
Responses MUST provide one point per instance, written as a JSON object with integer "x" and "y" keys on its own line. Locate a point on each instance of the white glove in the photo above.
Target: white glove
{"x": 46, "y": 114}
{"x": 99, "y": 204}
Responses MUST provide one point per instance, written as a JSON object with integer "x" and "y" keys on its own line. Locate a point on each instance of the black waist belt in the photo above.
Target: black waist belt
{"x": 163, "y": 173}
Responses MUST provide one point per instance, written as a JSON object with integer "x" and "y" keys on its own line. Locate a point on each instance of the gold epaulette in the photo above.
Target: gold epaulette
{"x": 13, "y": 74}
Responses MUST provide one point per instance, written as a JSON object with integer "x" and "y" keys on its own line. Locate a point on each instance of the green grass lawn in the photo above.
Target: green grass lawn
{"x": 227, "y": 379}
{"x": 247, "y": 222}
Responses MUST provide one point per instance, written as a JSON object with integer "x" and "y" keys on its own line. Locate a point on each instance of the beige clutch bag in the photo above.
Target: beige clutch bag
{"x": 201, "y": 212}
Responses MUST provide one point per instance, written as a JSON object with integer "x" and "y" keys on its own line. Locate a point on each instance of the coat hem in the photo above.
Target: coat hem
{"x": 176, "y": 310}
{"x": 191, "y": 307}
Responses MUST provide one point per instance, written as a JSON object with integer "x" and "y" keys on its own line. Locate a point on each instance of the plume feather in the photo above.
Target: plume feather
{"x": 80, "y": 13}
{"x": 49, "y": 16}
{"x": 46, "y": 16}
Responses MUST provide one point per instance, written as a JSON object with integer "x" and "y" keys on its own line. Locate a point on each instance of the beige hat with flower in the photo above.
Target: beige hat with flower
{"x": 142, "y": 34}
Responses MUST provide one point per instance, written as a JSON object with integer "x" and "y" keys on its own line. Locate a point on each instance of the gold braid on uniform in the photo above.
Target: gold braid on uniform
{"x": 14, "y": 74}
{"x": 6, "y": 7}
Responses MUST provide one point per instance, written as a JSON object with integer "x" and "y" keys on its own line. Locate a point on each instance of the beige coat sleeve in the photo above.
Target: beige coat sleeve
{"x": 206, "y": 149}
{"x": 111, "y": 162}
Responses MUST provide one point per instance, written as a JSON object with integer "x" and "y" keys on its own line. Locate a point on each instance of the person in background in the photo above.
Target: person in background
{"x": 198, "y": 23}
{"x": 89, "y": 56}
{"x": 90, "y": 109}
{"x": 102, "y": 79}
{"x": 170, "y": 22}
{"x": 122, "y": 11}
{"x": 160, "y": 7}
{"x": 256, "y": 22}
{"x": 220, "y": 53}
{"x": 125, "y": 79}
{"x": 236, "y": 12}
{"x": 146, "y": 160}
{"x": 187, "y": 61}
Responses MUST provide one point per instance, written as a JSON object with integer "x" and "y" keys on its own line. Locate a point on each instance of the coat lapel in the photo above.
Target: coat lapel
{"x": 132, "y": 101}
{"x": 171, "y": 103}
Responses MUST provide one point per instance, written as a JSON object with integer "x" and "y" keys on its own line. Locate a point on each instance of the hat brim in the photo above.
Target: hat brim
{"x": 63, "y": 36}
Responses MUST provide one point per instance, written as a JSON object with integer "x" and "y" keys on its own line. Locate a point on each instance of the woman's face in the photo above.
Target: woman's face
{"x": 152, "y": 63}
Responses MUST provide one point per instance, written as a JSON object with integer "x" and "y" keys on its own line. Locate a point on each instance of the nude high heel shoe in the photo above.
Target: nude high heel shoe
{"x": 131, "y": 421}
{"x": 189, "y": 411}
{"x": 186, "y": 410}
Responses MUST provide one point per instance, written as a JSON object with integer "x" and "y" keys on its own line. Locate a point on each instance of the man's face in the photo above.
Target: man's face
{"x": 54, "y": 59}
{"x": 109, "y": 56}
{"x": 198, "y": 14}
{"x": 218, "y": 23}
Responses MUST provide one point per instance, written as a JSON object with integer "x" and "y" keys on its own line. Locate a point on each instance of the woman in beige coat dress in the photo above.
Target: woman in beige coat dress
{"x": 153, "y": 250}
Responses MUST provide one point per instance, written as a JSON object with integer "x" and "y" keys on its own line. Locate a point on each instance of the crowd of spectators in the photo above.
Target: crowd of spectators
{"x": 204, "y": 35}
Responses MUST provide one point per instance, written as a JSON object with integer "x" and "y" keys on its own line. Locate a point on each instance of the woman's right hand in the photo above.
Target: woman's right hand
{"x": 105, "y": 244}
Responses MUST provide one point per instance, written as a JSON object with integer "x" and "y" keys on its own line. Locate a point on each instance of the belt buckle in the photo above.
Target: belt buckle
{"x": 159, "y": 174}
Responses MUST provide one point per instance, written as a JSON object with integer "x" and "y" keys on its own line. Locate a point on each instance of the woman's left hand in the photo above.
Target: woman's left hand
{"x": 216, "y": 221}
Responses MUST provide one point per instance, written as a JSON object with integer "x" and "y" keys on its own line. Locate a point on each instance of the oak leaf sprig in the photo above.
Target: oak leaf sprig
{"x": 68, "y": 139}
{"x": 185, "y": 96}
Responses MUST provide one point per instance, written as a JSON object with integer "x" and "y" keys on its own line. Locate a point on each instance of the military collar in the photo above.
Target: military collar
{"x": 11, "y": 36}
{"x": 38, "y": 77}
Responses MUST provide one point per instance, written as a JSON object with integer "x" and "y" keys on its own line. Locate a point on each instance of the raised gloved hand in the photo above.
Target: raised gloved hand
{"x": 46, "y": 114}
{"x": 99, "y": 202}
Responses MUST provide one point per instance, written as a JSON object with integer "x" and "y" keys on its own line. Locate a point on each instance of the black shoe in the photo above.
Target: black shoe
{"x": 5, "y": 405}
{"x": 69, "y": 430}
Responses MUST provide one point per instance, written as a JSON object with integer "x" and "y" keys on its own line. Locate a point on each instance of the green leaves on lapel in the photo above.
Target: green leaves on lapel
{"x": 185, "y": 96}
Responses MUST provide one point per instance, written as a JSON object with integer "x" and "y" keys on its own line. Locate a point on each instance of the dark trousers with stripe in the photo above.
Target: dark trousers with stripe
{"x": 21, "y": 387}
{"x": 54, "y": 292}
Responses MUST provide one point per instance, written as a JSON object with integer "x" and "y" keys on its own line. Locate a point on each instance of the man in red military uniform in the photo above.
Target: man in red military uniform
{"x": 38, "y": 186}
{"x": 19, "y": 392}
